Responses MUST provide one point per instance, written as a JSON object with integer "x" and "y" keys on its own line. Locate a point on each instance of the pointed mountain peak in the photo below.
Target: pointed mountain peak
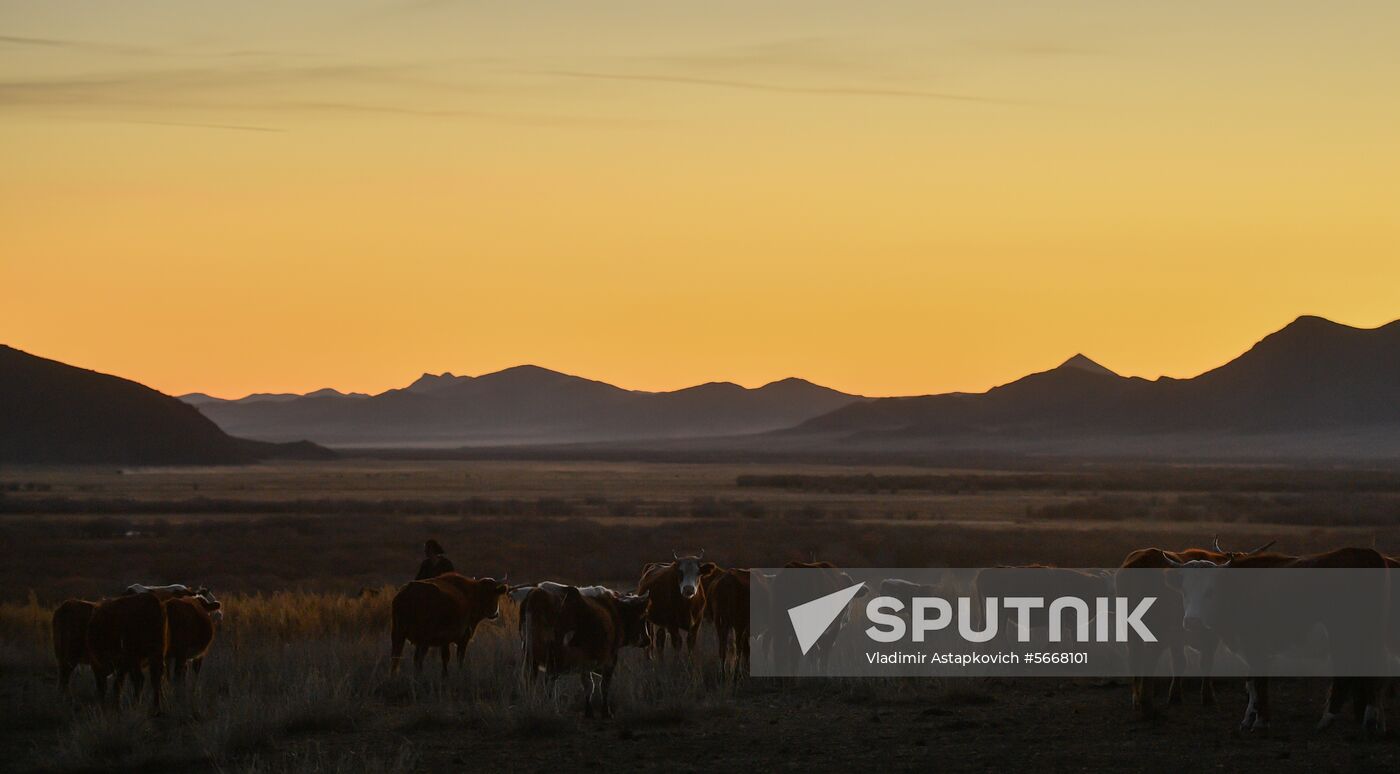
{"x": 1083, "y": 363}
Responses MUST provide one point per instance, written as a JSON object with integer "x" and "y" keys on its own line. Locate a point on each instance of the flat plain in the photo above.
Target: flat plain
{"x": 306, "y": 556}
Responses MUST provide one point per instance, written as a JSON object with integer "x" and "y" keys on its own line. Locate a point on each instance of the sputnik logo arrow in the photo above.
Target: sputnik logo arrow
{"x": 810, "y": 620}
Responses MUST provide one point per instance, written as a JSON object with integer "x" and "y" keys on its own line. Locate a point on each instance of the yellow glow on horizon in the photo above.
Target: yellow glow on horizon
{"x": 282, "y": 198}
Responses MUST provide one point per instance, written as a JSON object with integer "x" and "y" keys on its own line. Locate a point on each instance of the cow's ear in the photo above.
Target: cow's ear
{"x": 502, "y": 588}
{"x": 708, "y": 567}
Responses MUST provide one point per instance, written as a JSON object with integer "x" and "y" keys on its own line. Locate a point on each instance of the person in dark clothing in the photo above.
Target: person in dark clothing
{"x": 435, "y": 561}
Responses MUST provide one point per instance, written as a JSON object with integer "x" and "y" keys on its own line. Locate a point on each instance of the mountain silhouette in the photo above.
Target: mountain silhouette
{"x": 55, "y": 413}
{"x": 1312, "y": 377}
{"x": 525, "y": 405}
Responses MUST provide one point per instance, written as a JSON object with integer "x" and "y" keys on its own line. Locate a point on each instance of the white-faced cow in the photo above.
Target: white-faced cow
{"x": 1259, "y": 620}
{"x": 676, "y": 592}
{"x": 1164, "y": 620}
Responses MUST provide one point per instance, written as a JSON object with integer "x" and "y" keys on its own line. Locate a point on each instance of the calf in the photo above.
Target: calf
{"x": 125, "y": 634}
{"x": 440, "y": 612}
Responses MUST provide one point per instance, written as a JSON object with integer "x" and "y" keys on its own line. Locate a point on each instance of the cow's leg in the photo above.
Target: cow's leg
{"x": 99, "y": 678}
{"x": 118, "y": 682}
{"x": 722, "y": 641}
{"x": 1174, "y": 689}
{"x": 138, "y": 683}
{"x": 156, "y": 666}
{"x": 1337, "y": 694}
{"x": 420, "y": 652}
{"x": 195, "y": 665}
{"x": 741, "y": 644}
{"x": 65, "y": 672}
{"x": 658, "y": 642}
{"x": 1262, "y": 694}
{"x": 1251, "y": 710}
{"x": 446, "y": 649}
{"x": 604, "y": 692}
{"x": 1370, "y": 691}
{"x": 586, "y": 678}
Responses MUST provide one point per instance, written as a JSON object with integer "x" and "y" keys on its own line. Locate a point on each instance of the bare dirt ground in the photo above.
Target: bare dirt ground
{"x": 298, "y": 678}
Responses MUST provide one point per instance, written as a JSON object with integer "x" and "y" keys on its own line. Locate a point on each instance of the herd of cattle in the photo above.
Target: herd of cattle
{"x": 582, "y": 629}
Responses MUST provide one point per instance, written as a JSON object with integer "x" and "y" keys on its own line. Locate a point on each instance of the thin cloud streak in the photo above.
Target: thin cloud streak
{"x": 79, "y": 45}
{"x": 826, "y": 91}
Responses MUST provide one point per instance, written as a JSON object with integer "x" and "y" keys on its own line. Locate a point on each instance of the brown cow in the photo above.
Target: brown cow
{"x": 1165, "y": 618}
{"x": 593, "y": 629}
{"x": 435, "y": 561}
{"x": 677, "y": 593}
{"x": 125, "y": 634}
{"x": 192, "y": 622}
{"x": 70, "y": 628}
{"x": 727, "y": 605}
{"x": 541, "y": 608}
{"x": 440, "y": 612}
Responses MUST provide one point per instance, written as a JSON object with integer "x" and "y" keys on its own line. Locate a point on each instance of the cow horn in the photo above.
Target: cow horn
{"x": 1263, "y": 548}
{"x": 505, "y": 576}
{"x": 1227, "y": 563}
{"x": 701, "y": 555}
{"x": 1216, "y": 542}
{"x": 675, "y": 554}
{"x": 1172, "y": 561}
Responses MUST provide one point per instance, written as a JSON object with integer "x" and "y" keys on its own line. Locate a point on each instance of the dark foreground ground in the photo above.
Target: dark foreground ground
{"x": 298, "y": 680}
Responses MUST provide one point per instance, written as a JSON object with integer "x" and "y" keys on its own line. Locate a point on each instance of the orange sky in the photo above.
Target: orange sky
{"x": 887, "y": 197}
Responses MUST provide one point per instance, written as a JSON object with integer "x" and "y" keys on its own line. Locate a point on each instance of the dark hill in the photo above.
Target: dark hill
{"x": 53, "y": 413}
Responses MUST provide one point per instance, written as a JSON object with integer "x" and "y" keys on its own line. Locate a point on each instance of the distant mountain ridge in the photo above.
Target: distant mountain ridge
{"x": 523, "y": 405}
{"x": 53, "y": 413}
{"x": 1314, "y": 376}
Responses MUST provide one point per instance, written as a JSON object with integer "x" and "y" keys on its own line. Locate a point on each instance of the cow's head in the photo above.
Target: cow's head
{"x": 1198, "y": 582}
{"x": 211, "y": 605}
{"x": 487, "y": 597}
{"x": 633, "y": 609}
{"x": 692, "y": 570}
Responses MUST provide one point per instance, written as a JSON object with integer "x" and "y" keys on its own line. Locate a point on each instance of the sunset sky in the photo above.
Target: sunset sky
{"x": 884, "y": 197}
